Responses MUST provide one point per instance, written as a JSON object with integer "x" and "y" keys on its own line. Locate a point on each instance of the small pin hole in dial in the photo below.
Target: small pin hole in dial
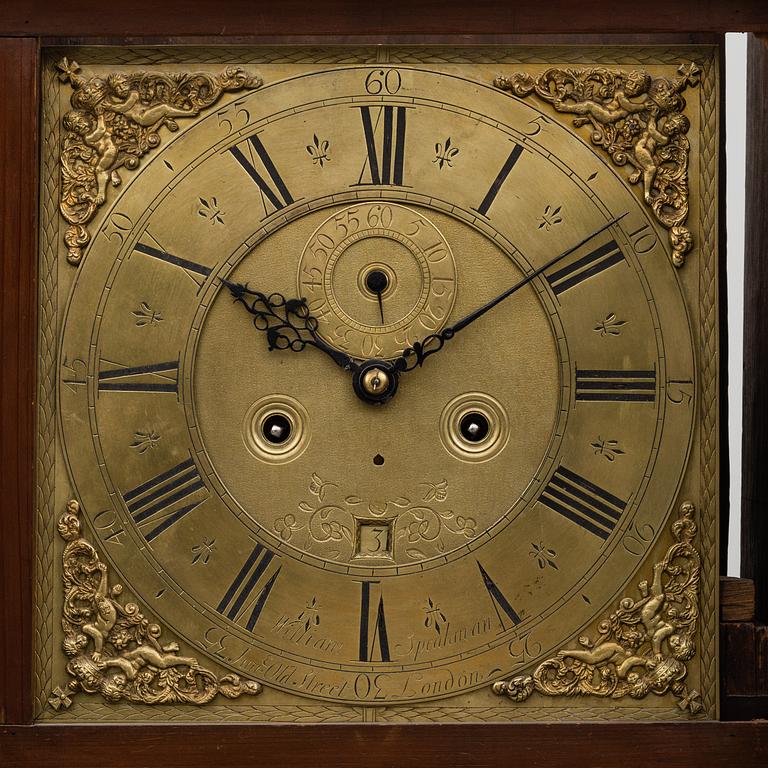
{"x": 378, "y": 459}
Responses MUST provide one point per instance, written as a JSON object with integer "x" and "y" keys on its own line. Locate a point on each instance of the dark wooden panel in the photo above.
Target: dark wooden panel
{"x": 350, "y": 17}
{"x": 738, "y": 648}
{"x": 18, "y": 206}
{"x": 744, "y": 707}
{"x": 539, "y": 745}
{"x": 754, "y": 511}
{"x": 737, "y": 599}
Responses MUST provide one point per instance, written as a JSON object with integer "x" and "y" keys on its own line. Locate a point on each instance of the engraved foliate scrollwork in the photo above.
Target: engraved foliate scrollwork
{"x": 642, "y": 647}
{"x": 113, "y": 649}
{"x": 114, "y": 121}
{"x": 638, "y": 120}
{"x": 416, "y": 528}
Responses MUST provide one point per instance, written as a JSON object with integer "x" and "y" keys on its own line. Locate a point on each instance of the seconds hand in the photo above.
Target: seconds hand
{"x": 376, "y": 282}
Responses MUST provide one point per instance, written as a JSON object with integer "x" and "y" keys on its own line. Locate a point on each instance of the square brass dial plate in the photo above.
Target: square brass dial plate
{"x": 285, "y": 474}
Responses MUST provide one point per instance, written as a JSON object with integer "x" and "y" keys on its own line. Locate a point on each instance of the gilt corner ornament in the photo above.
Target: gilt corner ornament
{"x": 638, "y": 120}
{"x": 642, "y": 647}
{"x": 114, "y": 121}
{"x": 113, "y": 649}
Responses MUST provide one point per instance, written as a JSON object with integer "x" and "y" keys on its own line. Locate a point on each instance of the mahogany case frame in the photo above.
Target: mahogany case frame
{"x": 28, "y": 25}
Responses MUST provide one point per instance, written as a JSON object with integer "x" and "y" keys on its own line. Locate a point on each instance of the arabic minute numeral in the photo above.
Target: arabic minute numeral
{"x": 680, "y": 391}
{"x": 383, "y": 81}
{"x": 637, "y": 538}
{"x": 118, "y": 227}
{"x": 231, "y": 114}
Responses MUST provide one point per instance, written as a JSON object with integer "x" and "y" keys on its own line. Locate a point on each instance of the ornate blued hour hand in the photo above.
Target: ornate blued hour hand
{"x": 415, "y": 355}
{"x": 287, "y": 322}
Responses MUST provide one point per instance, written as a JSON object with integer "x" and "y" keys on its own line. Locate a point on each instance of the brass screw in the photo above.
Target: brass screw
{"x": 375, "y": 381}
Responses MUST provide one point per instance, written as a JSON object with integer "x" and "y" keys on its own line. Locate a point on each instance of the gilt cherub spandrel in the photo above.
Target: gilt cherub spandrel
{"x": 639, "y": 120}
{"x": 113, "y": 649}
{"x": 642, "y": 647}
{"x": 114, "y": 121}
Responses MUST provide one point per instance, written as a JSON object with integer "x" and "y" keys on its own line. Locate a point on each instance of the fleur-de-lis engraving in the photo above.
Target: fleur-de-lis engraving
{"x": 610, "y": 325}
{"x": 435, "y": 618}
{"x": 318, "y": 151}
{"x": 444, "y": 155}
{"x": 202, "y": 552}
{"x": 543, "y": 555}
{"x": 608, "y": 448}
{"x": 550, "y": 217}
{"x": 145, "y": 315}
{"x": 144, "y": 441}
{"x": 209, "y": 209}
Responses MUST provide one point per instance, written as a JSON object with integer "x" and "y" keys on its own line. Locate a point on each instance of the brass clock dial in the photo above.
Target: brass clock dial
{"x": 379, "y": 553}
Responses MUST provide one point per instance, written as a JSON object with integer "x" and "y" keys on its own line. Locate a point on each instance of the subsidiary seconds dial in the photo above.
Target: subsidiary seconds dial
{"x": 377, "y": 276}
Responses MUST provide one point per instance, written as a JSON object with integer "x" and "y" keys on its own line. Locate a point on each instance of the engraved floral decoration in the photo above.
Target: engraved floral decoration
{"x": 445, "y": 154}
{"x": 145, "y": 315}
{"x": 610, "y": 325}
{"x": 638, "y": 120}
{"x": 113, "y": 649}
{"x": 318, "y": 151}
{"x": 642, "y": 647}
{"x": 115, "y": 120}
{"x": 422, "y": 526}
{"x": 145, "y": 441}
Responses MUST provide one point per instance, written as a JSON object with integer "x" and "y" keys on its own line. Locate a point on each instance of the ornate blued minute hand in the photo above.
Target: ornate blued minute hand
{"x": 287, "y": 322}
{"x": 415, "y": 355}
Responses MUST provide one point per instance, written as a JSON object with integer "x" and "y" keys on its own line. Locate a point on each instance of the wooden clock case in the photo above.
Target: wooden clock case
{"x": 26, "y": 27}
